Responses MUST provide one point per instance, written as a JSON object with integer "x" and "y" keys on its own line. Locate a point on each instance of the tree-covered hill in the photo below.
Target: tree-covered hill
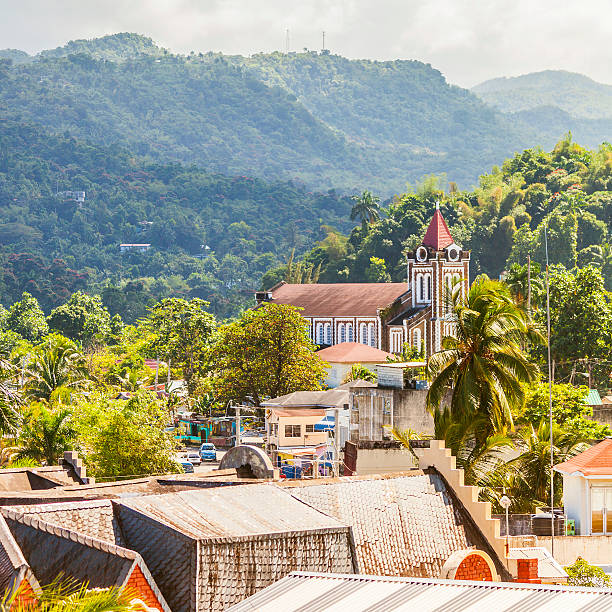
{"x": 327, "y": 120}
{"x": 576, "y": 94}
{"x": 501, "y": 221}
{"x": 212, "y": 236}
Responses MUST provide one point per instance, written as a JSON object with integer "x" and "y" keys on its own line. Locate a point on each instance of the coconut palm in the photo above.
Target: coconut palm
{"x": 10, "y": 399}
{"x": 366, "y": 208}
{"x": 46, "y": 434}
{"x": 484, "y": 364}
{"x": 63, "y": 595}
{"x": 56, "y": 363}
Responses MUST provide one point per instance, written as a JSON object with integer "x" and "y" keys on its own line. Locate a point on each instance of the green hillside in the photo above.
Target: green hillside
{"x": 576, "y": 94}
{"x": 212, "y": 236}
{"x": 330, "y": 121}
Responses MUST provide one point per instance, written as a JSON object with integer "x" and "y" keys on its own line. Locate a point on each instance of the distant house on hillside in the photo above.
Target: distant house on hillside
{"x": 138, "y": 248}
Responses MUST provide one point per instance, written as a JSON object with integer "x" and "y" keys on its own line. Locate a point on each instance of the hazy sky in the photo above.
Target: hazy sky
{"x": 468, "y": 40}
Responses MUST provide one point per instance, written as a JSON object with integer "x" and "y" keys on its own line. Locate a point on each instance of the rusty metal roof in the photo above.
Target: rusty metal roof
{"x": 406, "y": 526}
{"x": 314, "y": 592}
{"x": 234, "y": 512}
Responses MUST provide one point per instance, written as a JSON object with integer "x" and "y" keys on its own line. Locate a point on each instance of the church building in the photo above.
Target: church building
{"x": 387, "y": 315}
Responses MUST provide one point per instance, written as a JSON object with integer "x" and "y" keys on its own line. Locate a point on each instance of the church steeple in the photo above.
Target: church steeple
{"x": 437, "y": 236}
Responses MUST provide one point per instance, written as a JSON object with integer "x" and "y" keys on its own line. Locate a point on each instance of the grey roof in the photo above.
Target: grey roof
{"x": 310, "y": 592}
{"x": 13, "y": 565}
{"x": 320, "y": 399}
{"x": 232, "y": 512}
{"x": 94, "y": 518}
{"x": 406, "y": 526}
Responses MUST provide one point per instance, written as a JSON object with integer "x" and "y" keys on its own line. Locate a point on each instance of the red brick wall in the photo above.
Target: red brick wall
{"x": 140, "y": 585}
{"x": 473, "y": 567}
{"x": 26, "y": 595}
{"x": 527, "y": 571}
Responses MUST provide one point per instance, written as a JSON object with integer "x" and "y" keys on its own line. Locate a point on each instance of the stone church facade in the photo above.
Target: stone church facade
{"x": 387, "y": 315}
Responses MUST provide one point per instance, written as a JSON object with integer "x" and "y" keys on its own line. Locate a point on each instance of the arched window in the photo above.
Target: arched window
{"x": 363, "y": 329}
{"x": 341, "y": 333}
{"x": 328, "y": 334}
{"x": 427, "y": 287}
{"x": 396, "y": 342}
{"x": 416, "y": 339}
{"x": 371, "y": 334}
{"x": 320, "y": 338}
{"x": 420, "y": 288}
{"x": 349, "y": 333}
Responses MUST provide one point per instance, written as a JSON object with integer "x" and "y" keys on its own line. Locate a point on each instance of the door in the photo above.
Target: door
{"x": 601, "y": 510}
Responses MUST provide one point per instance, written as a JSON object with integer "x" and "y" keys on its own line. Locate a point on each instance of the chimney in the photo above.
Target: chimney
{"x": 527, "y": 571}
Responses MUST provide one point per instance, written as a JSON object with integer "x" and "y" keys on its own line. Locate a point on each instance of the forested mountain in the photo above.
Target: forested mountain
{"x": 212, "y": 236}
{"x": 576, "y": 94}
{"x": 330, "y": 121}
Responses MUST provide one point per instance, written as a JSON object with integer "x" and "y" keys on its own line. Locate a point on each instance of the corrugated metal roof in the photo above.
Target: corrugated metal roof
{"x": 233, "y": 512}
{"x": 593, "y": 398}
{"x": 312, "y": 592}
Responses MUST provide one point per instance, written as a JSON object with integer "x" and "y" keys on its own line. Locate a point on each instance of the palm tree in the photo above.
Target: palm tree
{"x": 366, "y": 208}
{"x": 62, "y": 595}
{"x": 56, "y": 364}
{"x": 518, "y": 281}
{"x": 10, "y": 399}
{"x": 484, "y": 365}
{"x": 46, "y": 435}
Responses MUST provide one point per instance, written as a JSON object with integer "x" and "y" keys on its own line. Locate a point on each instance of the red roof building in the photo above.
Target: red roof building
{"x": 596, "y": 461}
{"x": 386, "y": 316}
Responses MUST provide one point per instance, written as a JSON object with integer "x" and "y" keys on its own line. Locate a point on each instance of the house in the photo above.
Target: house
{"x": 138, "y": 248}
{"x": 342, "y": 357}
{"x": 587, "y": 489}
{"x": 386, "y": 316}
{"x": 312, "y": 591}
{"x": 294, "y": 427}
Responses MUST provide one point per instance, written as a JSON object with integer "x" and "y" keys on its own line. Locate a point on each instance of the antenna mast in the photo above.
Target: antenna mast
{"x": 287, "y": 41}
{"x": 323, "y": 40}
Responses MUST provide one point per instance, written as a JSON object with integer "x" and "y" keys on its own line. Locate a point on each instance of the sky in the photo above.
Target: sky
{"x": 469, "y": 41}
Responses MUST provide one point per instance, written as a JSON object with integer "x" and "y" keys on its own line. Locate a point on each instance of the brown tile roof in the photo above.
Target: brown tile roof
{"x": 353, "y": 352}
{"x": 339, "y": 299}
{"x": 324, "y": 399}
{"x": 402, "y": 526}
{"x": 596, "y": 461}
{"x": 13, "y": 566}
{"x": 437, "y": 235}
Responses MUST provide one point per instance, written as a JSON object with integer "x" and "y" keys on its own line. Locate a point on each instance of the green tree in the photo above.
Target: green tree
{"x": 55, "y": 366}
{"x": 27, "y": 319}
{"x": 182, "y": 331}
{"x": 359, "y": 372}
{"x": 266, "y": 353}
{"x": 82, "y": 318}
{"x": 366, "y": 209}
{"x": 46, "y": 434}
{"x": 377, "y": 271}
{"x": 126, "y": 438}
{"x": 583, "y": 574}
{"x": 484, "y": 365}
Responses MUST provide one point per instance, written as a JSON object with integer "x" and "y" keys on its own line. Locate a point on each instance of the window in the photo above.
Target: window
{"x": 320, "y": 333}
{"x": 420, "y": 288}
{"x": 293, "y": 431}
{"x": 416, "y": 339}
{"x": 328, "y": 334}
{"x": 341, "y": 333}
{"x": 427, "y": 287}
{"x": 371, "y": 334}
{"x": 396, "y": 342}
{"x": 310, "y": 428}
{"x": 349, "y": 333}
{"x": 364, "y": 333}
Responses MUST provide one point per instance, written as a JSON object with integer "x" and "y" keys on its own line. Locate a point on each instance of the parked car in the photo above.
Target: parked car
{"x": 208, "y": 452}
{"x": 194, "y": 457}
{"x": 186, "y": 465}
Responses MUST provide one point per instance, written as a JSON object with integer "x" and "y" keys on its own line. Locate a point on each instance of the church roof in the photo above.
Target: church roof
{"x": 338, "y": 299}
{"x": 438, "y": 235}
{"x": 596, "y": 461}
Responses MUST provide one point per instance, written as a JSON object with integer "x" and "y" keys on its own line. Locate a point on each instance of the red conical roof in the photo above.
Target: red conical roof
{"x": 437, "y": 235}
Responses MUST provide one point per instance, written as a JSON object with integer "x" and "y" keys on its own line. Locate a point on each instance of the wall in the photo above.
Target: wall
{"x": 409, "y": 411}
{"x": 306, "y": 439}
{"x": 337, "y": 372}
{"x": 140, "y": 585}
{"x": 519, "y": 524}
{"x": 603, "y": 414}
{"x": 575, "y": 502}
{"x": 384, "y": 460}
{"x": 593, "y": 549}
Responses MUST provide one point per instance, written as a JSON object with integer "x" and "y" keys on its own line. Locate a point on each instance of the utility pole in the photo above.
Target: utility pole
{"x": 168, "y": 376}
{"x": 287, "y": 46}
{"x": 323, "y": 40}
{"x": 529, "y": 284}
{"x": 336, "y": 462}
{"x": 156, "y": 371}
{"x": 237, "y": 425}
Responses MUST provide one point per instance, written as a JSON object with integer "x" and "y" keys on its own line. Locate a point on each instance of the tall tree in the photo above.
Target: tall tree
{"x": 366, "y": 208}
{"x": 27, "y": 319}
{"x": 266, "y": 353}
{"x": 181, "y": 331}
{"x": 484, "y": 365}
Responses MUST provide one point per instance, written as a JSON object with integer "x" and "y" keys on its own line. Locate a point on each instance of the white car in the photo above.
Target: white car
{"x": 193, "y": 457}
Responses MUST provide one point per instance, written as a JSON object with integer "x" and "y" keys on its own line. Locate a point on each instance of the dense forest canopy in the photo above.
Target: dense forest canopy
{"x": 330, "y": 121}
